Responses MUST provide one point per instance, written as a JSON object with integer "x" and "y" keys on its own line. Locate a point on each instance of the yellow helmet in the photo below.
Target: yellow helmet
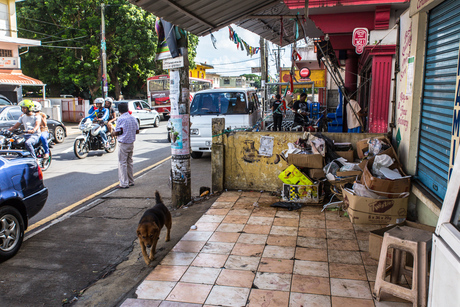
{"x": 29, "y": 104}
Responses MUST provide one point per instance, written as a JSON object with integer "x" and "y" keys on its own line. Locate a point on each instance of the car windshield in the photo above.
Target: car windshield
{"x": 4, "y": 102}
{"x": 219, "y": 103}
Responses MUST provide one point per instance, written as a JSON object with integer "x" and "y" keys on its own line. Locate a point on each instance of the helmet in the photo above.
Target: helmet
{"x": 29, "y": 104}
{"x": 109, "y": 99}
{"x": 37, "y": 106}
{"x": 99, "y": 100}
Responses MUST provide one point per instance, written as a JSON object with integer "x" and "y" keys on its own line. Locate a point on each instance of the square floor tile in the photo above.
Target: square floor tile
{"x": 345, "y": 234}
{"x": 273, "y": 281}
{"x": 178, "y": 304}
{"x": 260, "y": 220}
{"x": 312, "y": 209}
{"x": 362, "y": 235}
{"x": 279, "y": 240}
{"x": 287, "y": 214}
{"x": 217, "y": 248}
{"x": 311, "y": 268}
{"x": 208, "y": 218}
{"x": 249, "y": 250}
{"x": 347, "y": 271}
{"x": 251, "y": 194}
{"x": 258, "y": 229}
{"x": 228, "y": 237}
{"x": 200, "y": 275}
{"x": 284, "y": 231}
{"x": 235, "y": 278}
{"x": 204, "y": 226}
{"x": 250, "y": 238}
{"x": 235, "y": 219}
{"x": 167, "y": 273}
{"x": 311, "y": 254}
{"x": 247, "y": 200}
{"x": 367, "y": 260}
{"x": 282, "y": 252}
{"x": 312, "y": 223}
{"x": 154, "y": 290}
{"x": 268, "y": 298}
{"x": 350, "y": 288}
{"x": 228, "y": 296}
{"x": 173, "y": 258}
{"x": 282, "y": 221}
{"x": 335, "y": 215}
{"x": 363, "y": 245}
{"x": 194, "y": 235}
{"x": 273, "y": 265}
{"x": 189, "y": 293}
{"x": 338, "y": 301}
{"x": 310, "y": 284}
{"x": 242, "y": 263}
{"x": 188, "y": 246}
{"x": 217, "y": 211}
{"x": 371, "y": 272}
{"x": 339, "y": 225}
{"x": 311, "y": 242}
{"x": 263, "y": 212}
{"x": 309, "y": 300}
{"x": 135, "y": 302}
{"x": 350, "y": 257}
{"x": 224, "y": 227}
{"x": 312, "y": 232}
{"x": 267, "y": 201}
{"x": 342, "y": 244}
{"x": 222, "y": 205}
{"x": 210, "y": 260}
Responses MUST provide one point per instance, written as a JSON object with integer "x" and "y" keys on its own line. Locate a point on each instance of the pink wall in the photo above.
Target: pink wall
{"x": 380, "y": 94}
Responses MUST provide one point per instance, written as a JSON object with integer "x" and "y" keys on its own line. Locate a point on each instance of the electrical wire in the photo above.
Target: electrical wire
{"x": 49, "y": 23}
{"x": 236, "y": 62}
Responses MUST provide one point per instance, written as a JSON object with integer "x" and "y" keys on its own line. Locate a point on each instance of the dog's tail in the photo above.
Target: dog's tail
{"x": 158, "y": 197}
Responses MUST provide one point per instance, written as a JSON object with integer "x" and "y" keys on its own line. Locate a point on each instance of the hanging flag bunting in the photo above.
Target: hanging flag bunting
{"x": 241, "y": 43}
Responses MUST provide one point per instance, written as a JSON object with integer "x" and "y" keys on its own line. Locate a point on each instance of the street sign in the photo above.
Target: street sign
{"x": 305, "y": 73}
{"x": 256, "y": 70}
{"x": 360, "y": 39}
{"x": 173, "y": 63}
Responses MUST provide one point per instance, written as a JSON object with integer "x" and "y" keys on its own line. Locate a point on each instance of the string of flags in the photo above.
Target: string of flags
{"x": 240, "y": 43}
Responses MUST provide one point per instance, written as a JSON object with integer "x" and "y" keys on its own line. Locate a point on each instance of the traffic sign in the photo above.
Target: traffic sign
{"x": 305, "y": 73}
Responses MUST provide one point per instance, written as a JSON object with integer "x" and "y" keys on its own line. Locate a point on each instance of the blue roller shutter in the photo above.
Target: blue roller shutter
{"x": 441, "y": 61}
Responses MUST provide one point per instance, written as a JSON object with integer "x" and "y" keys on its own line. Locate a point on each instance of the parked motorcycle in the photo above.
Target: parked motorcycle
{"x": 15, "y": 140}
{"x": 91, "y": 139}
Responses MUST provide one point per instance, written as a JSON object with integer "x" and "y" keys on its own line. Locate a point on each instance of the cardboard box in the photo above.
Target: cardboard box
{"x": 349, "y": 174}
{"x": 386, "y": 187}
{"x": 364, "y": 210}
{"x": 303, "y": 160}
{"x": 316, "y": 173}
{"x": 362, "y": 146}
{"x": 390, "y": 152}
{"x": 348, "y": 155}
{"x": 301, "y": 193}
{"x": 376, "y": 236}
{"x": 292, "y": 175}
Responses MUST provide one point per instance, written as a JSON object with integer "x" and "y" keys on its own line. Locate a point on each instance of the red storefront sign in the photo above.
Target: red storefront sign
{"x": 305, "y": 73}
{"x": 360, "y": 39}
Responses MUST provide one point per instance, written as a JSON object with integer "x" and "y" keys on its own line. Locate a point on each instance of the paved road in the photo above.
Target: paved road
{"x": 70, "y": 179}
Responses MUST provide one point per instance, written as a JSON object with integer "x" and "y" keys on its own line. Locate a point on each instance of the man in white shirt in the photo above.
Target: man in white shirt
{"x": 354, "y": 116}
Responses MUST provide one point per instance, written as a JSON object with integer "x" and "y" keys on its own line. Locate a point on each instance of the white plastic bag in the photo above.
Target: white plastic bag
{"x": 379, "y": 162}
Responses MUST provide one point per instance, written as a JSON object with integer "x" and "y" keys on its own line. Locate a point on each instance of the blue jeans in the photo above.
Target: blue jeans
{"x": 103, "y": 135}
{"x": 44, "y": 139}
{"x": 31, "y": 140}
{"x": 355, "y": 130}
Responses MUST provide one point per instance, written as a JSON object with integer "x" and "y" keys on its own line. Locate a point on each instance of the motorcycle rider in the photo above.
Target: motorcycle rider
{"x": 44, "y": 135}
{"x": 112, "y": 114}
{"x": 101, "y": 115}
{"x": 31, "y": 123}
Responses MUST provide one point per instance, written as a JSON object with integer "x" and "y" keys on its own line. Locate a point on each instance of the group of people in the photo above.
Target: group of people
{"x": 299, "y": 108}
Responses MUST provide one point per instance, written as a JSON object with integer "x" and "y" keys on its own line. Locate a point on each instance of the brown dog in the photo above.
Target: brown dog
{"x": 150, "y": 227}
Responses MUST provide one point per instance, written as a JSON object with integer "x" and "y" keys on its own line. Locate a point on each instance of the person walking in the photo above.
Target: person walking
{"x": 278, "y": 109}
{"x": 354, "y": 116}
{"x": 126, "y": 130}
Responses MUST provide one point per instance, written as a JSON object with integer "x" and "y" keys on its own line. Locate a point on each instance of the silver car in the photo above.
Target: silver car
{"x": 144, "y": 114}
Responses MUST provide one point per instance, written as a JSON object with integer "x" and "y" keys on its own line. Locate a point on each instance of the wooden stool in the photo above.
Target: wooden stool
{"x": 408, "y": 240}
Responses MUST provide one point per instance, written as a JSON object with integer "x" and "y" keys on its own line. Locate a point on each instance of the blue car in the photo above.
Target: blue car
{"x": 22, "y": 195}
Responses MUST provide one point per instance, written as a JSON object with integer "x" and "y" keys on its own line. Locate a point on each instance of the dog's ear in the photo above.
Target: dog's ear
{"x": 138, "y": 233}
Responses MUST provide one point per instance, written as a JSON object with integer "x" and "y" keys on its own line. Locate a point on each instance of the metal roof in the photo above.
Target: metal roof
{"x": 201, "y": 17}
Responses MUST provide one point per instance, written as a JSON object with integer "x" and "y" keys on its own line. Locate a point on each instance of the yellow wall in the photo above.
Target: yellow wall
{"x": 199, "y": 71}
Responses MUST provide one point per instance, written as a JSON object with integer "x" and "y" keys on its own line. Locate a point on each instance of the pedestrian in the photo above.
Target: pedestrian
{"x": 278, "y": 110}
{"x": 126, "y": 130}
{"x": 300, "y": 109}
{"x": 354, "y": 116}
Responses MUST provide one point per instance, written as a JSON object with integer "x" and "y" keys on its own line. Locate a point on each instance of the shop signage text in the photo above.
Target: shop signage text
{"x": 360, "y": 39}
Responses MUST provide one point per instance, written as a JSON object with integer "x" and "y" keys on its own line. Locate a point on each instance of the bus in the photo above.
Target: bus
{"x": 158, "y": 92}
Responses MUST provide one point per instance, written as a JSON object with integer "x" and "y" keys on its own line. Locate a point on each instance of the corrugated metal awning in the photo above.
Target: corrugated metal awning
{"x": 16, "y": 77}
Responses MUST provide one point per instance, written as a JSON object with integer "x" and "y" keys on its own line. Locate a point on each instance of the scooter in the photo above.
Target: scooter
{"x": 15, "y": 140}
{"x": 91, "y": 139}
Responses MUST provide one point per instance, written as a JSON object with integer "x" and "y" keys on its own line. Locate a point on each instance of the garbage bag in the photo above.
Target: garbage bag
{"x": 284, "y": 204}
{"x": 379, "y": 162}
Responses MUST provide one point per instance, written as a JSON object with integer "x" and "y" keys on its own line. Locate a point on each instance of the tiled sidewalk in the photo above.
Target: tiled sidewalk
{"x": 246, "y": 253}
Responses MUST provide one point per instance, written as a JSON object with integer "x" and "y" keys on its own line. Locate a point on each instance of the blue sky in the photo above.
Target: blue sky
{"x": 230, "y": 61}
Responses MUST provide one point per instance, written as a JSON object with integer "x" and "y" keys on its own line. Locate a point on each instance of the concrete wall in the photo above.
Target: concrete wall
{"x": 245, "y": 169}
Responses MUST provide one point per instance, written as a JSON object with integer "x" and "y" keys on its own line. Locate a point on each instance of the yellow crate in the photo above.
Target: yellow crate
{"x": 292, "y": 175}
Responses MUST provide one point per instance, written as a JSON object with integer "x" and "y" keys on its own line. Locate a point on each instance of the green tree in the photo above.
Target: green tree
{"x": 131, "y": 43}
{"x": 253, "y": 77}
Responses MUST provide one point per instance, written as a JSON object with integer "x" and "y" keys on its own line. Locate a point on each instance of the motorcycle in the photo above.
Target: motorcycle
{"x": 15, "y": 140}
{"x": 91, "y": 139}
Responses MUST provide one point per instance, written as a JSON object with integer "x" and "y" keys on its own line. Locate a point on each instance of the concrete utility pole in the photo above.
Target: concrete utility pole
{"x": 263, "y": 76}
{"x": 180, "y": 147}
{"x": 105, "y": 87}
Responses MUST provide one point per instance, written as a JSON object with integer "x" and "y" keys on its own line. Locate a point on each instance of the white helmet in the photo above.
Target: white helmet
{"x": 109, "y": 99}
{"x": 37, "y": 106}
{"x": 99, "y": 100}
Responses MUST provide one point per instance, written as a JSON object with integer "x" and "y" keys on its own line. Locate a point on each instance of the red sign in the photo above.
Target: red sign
{"x": 360, "y": 39}
{"x": 305, "y": 73}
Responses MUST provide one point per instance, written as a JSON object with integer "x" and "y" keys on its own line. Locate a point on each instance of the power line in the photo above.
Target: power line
{"x": 68, "y": 39}
{"x": 236, "y": 62}
{"x": 49, "y": 23}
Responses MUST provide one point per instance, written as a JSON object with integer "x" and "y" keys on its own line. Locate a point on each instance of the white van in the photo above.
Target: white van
{"x": 240, "y": 107}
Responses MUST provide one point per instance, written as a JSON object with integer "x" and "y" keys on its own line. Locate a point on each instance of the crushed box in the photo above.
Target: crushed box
{"x": 348, "y": 155}
{"x": 390, "y": 188}
{"x": 362, "y": 146}
{"x": 304, "y": 160}
{"x": 364, "y": 210}
{"x": 292, "y": 175}
{"x": 302, "y": 193}
{"x": 316, "y": 173}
